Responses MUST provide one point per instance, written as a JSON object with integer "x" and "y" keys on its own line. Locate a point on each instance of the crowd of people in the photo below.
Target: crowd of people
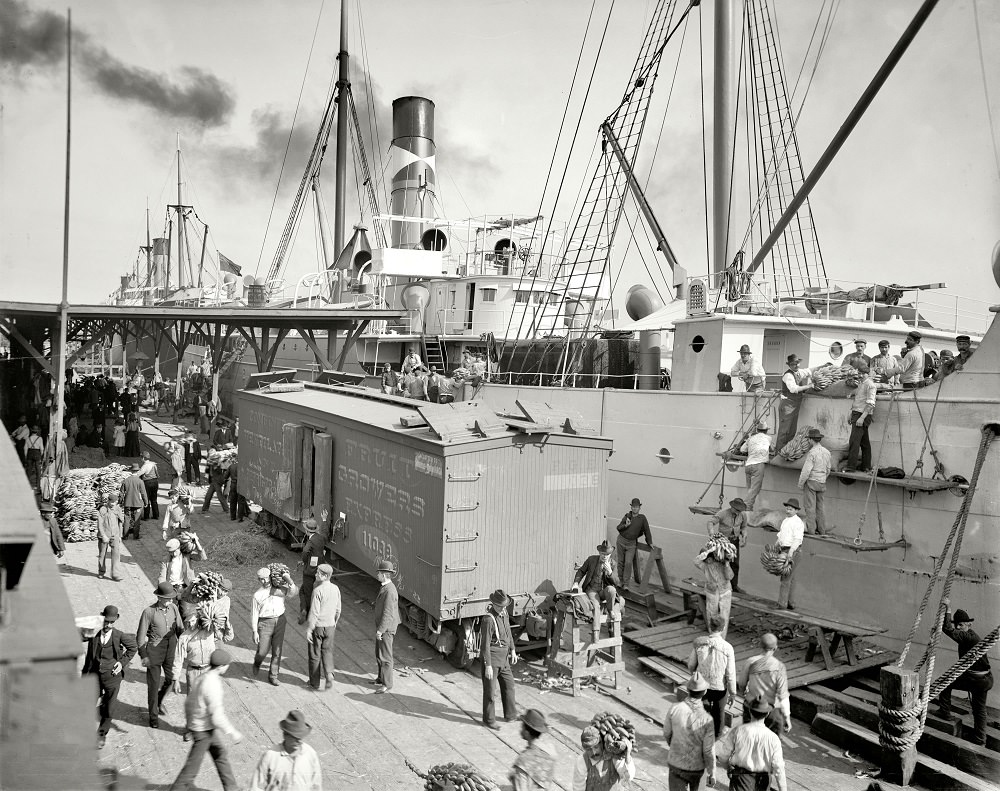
{"x": 427, "y": 383}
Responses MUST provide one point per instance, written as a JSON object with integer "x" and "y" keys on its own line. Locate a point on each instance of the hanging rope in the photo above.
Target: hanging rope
{"x": 938, "y": 465}
{"x": 873, "y": 478}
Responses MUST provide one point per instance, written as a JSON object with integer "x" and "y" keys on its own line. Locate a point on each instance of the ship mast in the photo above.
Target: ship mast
{"x": 180, "y": 220}
{"x": 343, "y": 108}
{"x": 723, "y": 128}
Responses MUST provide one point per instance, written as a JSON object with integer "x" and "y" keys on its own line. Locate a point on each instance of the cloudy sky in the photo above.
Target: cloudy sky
{"x": 913, "y": 198}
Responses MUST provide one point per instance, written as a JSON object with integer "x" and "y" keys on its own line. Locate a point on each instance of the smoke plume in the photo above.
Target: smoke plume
{"x": 34, "y": 41}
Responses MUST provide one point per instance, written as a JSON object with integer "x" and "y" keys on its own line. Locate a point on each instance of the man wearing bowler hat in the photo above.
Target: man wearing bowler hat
{"x": 533, "y": 769}
{"x": 134, "y": 500}
{"x": 497, "y": 654}
{"x": 790, "y": 537}
{"x": 977, "y": 680}
{"x": 690, "y": 737}
{"x": 596, "y": 578}
{"x": 812, "y": 480}
{"x": 110, "y": 525}
{"x": 795, "y": 382}
{"x": 752, "y": 753}
{"x": 386, "y": 621}
{"x": 732, "y": 523}
{"x": 159, "y": 627}
{"x": 291, "y": 764}
{"x": 108, "y": 654}
{"x": 748, "y": 371}
{"x": 632, "y": 525}
{"x": 858, "y": 355}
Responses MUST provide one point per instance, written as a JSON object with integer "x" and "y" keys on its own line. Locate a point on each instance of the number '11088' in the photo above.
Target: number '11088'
{"x": 376, "y": 544}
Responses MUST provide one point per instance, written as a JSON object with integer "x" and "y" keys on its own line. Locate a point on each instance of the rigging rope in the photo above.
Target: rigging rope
{"x": 986, "y": 87}
{"x": 874, "y": 474}
{"x": 938, "y": 464}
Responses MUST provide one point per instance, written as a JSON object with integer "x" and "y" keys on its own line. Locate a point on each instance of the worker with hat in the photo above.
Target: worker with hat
{"x": 497, "y": 654}
{"x": 748, "y": 371}
{"x": 757, "y": 448}
{"x": 977, "y": 680}
{"x": 596, "y": 578}
{"x": 790, "y": 537}
{"x": 159, "y": 627}
{"x": 533, "y": 769}
{"x": 313, "y": 554}
{"x": 731, "y": 522}
{"x": 812, "y": 480}
{"x": 690, "y": 736}
{"x": 267, "y": 619}
{"x": 881, "y": 363}
{"x": 764, "y": 676}
{"x": 291, "y": 764}
{"x": 221, "y": 607}
{"x": 598, "y": 768}
{"x": 386, "y": 622}
{"x": 134, "y": 501}
{"x": 859, "y": 449}
{"x": 752, "y": 753}
{"x": 206, "y": 720}
{"x": 324, "y": 613}
{"x": 110, "y": 534}
{"x": 192, "y": 459}
{"x": 632, "y": 525}
{"x": 911, "y": 370}
{"x": 714, "y": 658}
{"x": 795, "y": 383}
{"x": 857, "y": 356}
{"x": 108, "y": 654}
{"x": 178, "y": 512}
{"x": 52, "y": 530}
{"x": 238, "y": 508}
{"x": 217, "y": 478}
{"x": 175, "y": 568}
{"x": 956, "y": 362}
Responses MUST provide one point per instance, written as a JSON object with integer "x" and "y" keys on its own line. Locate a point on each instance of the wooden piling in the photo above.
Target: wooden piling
{"x": 901, "y": 691}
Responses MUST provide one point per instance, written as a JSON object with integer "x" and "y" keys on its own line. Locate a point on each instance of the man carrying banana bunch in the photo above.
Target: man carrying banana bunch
{"x": 713, "y": 560}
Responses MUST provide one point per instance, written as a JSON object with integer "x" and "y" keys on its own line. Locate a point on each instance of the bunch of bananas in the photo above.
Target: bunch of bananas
{"x": 616, "y": 732}
{"x": 278, "y": 572}
{"x": 81, "y": 492}
{"x": 207, "y": 586}
{"x": 775, "y": 561}
{"x": 721, "y": 547}
{"x": 461, "y": 777}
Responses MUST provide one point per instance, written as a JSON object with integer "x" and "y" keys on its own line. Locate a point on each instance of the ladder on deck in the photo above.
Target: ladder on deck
{"x": 434, "y": 352}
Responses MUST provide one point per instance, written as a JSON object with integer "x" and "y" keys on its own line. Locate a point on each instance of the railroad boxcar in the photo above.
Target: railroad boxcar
{"x": 464, "y": 501}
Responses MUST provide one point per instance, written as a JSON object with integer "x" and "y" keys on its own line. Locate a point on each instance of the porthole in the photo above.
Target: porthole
{"x": 836, "y": 350}
{"x": 697, "y": 344}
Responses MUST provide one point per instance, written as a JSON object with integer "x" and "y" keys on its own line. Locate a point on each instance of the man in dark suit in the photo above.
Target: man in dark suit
{"x": 386, "y": 621}
{"x": 159, "y": 627}
{"x": 498, "y": 654}
{"x": 134, "y": 501}
{"x": 108, "y": 654}
{"x": 596, "y": 578}
{"x": 192, "y": 459}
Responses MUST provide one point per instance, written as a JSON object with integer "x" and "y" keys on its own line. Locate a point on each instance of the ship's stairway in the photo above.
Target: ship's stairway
{"x": 434, "y": 352}
{"x": 233, "y": 356}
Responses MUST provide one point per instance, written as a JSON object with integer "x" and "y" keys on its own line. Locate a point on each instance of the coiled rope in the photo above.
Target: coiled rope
{"x": 901, "y": 729}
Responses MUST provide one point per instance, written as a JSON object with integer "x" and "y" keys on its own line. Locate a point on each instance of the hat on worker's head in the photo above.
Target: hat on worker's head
{"x": 219, "y": 658}
{"x": 46, "y": 508}
{"x": 744, "y": 349}
{"x": 862, "y": 341}
{"x": 792, "y": 358}
{"x": 883, "y": 344}
{"x": 325, "y": 568}
{"x": 535, "y": 720}
{"x": 697, "y": 683}
{"x": 111, "y": 497}
{"x": 310, "y": 525}
{"x": 762, "y": 427}
{"x": 165, "y": 591}
{"x": 915, "y": 335}
{"x": 134, "y": 467}
{"x": 961, "y": 616}
{"x": 295, "y": 724}
{"x": 110, "y": 613}
{"x": 591, "y": 737}
{"x": 963, "y": 339}
{"x": 759, "y": 705}
{"x": 605, "y": 548}
{"x": 387, "y": 566}
{"x": 738, "y": 504}
{"x": 793, "y": 503}
{"x": 814, "y": 433}
{"x": 499, "y": 599}
{"x": 173, "y": 544}
{"x": 636, "y": 501}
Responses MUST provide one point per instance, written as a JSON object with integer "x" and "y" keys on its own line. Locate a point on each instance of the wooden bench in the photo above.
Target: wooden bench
{"x": 825, "y": 635}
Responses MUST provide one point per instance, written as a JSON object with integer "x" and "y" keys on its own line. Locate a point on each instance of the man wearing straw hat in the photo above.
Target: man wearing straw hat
{"x": 497, "y": 654}
{"x": 290, "y": 765}
{"x": 690, "y": 737}
{"x": 790, "y": 537}
{"x": 108, "y": 654}
{"x": 752, "y": 753}
{"x": 386, "y": 621}
{"x": 533, "y": 769}
{"x": 110, "y": 524}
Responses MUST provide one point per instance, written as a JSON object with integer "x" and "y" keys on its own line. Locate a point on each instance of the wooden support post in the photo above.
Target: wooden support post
{"x": 323, "y": 480}
{"x": 900, "y": 690}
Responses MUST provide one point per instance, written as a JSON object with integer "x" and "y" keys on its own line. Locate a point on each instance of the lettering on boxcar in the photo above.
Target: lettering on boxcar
{"x": 429, "y": 465}
{"x": 573, "y": 480}
{"x": 394, "y": 498}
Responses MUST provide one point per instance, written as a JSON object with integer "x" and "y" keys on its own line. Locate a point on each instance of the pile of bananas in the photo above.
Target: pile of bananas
{"x": 188, "y": 541}
{"x": 80, "y": 494}
{"x": 278, "y": 572}
{"x": 826, "y": 375}
{"x": 775, "y": 561}
{"x": 616, "y": 731}
{"x": 721, "y": 547}
{"x": 461, "y": 777}
{"x": 207, "y": 586}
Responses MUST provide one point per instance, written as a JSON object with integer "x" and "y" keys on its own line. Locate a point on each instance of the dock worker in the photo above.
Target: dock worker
{"x": 911, "y": 370}
{"x": 175, "y": 568}
{"x": 757, "y": 448}
{"x": 881, "y": 363}
{"x": 411, "y": 362}
{"x": 714, "y": 658}
{"x": 238, "y": 508}
{"x": 194, "y": 650}
{"x": 632, "y": 525}
{"x": 313, "y": 554}
{"x": 217, "y": 478}
{"x": 958, "y": 361}
{"x": 159, "y": 627}
{"x": 390, "y": 380}
{"x": 290, "y": 765}
{"x": 858, "y": 355}
{"x": 416, "y": 385}
{"x": 533, "y": 769}
{"x": 150, "y": 476}
{"x": 977, "y": 680}
{"x": 732, "y": 523}
{"x": 598, "y": 769}
{"x": 690, "y": 737}
{"x": 108, "y": 654}
{"x": 178, "y": 512}
{"x": 497, "y": 654}
{"x": 795, "y": 382}
{"x": 386, "y": 623}
{"x": 52, "y": 530}
{"x": 790, "y": 537}
{"x": 267, "y": 620}
{"x": 812, "y": 481}
{"x": 859, "y": 452}
{"x": 110, "y": 533}
{"x": 20, "y": 436}
{"x": 748, "y": 371}
{"x": 752, "y": 753}
{"x": 596, "y": 578}
{"x": 33, "y": 448}
{"x": 134, "y": 501}
{"x": 176, "y": 453}
{"x": 712, "y": 562}
{"x": 764, "y": 676}
{"x": 192, "y": 459}
{"x": 321, "y": 626}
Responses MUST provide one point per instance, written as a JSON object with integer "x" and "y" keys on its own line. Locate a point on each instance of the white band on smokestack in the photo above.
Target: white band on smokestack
{"x": 414, "y": 183}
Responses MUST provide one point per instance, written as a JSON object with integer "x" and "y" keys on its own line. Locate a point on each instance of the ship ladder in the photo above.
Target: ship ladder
{"x": 902, "y": 717}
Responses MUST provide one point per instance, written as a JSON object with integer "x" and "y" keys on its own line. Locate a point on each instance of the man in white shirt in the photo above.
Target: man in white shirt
{"x": 882, "y": 363}
{"x": 794, "y": 384}
{"x": 752, "y": 753}
{"x": 859, "y": 453}
{"x": 267, "y": 620}
{"x": 911, "y": 371}
{"x": 812, "y": 480}
{"x": 790, "y": 536}
{"x": 748, "y": 371}
{"x": 291, "y": 765}
{"x": 758, "y": 451}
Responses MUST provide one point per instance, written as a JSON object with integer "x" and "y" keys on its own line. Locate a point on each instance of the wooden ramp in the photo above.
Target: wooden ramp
{"x": 670, "y": 645}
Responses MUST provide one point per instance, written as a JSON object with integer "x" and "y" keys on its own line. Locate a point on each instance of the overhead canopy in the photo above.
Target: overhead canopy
{"x": 662, "y": 319}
